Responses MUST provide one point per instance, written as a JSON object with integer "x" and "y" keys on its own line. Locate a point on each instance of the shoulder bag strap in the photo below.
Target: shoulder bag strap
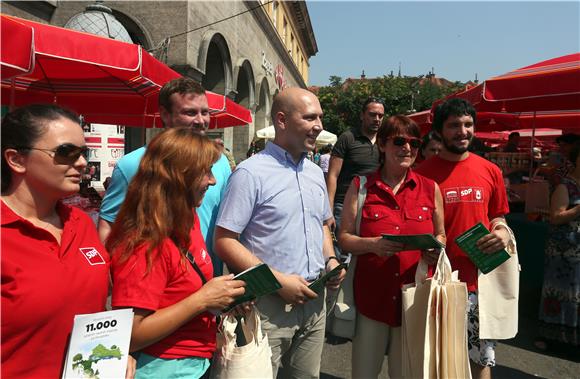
{"x": 191, "y": 260}
{"x": 362, "y": 195}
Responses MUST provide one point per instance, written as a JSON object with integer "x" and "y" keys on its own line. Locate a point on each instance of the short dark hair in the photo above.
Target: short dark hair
{"x": 452, "y": 107}
{"x": 181, "y": 86}
{"x": 24, "y": 126}
{"x": 513, "y": 134}
{"x": 431, "y": 136}
{"x": 370, "y": 100}
{"x": 569, "y": 138}
{"x": 396, "y": 125}
{"x": 326, "y": 149}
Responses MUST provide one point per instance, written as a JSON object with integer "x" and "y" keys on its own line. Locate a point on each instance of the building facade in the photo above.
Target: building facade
{"x": 246, "y": 50}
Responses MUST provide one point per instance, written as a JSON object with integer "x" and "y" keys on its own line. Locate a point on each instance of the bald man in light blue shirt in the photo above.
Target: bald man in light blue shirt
{"x": 275, "y": 210}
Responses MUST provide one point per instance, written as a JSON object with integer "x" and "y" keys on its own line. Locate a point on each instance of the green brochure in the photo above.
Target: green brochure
{"x": 319, "y": 283}
{"x": 415, "y": 241}
{"x": 485, "y": 262}
{"x": 259, "y": 280}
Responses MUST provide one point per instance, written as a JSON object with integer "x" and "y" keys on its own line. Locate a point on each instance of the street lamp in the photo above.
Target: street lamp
{"x": 413, "y": 110}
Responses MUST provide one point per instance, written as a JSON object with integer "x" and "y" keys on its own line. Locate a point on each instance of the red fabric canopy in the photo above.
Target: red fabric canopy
{"x": 524, "y": 133}
{"x": 16, "y": 53}
{"x": 226, "y": 112}
{"x": 567, "y": 122}
{"x": 423, "y": 120}
{"x": 105, "y": 80}
{"x": 545, "y": 86}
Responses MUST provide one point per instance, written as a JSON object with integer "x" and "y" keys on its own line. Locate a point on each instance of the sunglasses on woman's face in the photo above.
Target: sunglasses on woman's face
{"x": 67, "y": 153}
{"x": 415, "y": 143}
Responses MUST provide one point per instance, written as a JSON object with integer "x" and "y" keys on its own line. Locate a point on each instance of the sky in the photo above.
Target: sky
{"x": 457, "y": 39}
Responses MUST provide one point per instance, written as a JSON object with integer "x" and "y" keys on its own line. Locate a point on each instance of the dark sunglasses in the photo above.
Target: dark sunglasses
{"x": 415, "y": 143}
{"x": 67, "y": 153}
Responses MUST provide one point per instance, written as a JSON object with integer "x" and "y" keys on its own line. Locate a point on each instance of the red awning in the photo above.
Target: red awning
{"x": 423, "y": 120}
{"x": 105, "y": 80}
{"x": 16, "y": 53}
{"x": 226, "y": 112}
{"x": 568, "y": 122}
{"x": 552, "y": 85}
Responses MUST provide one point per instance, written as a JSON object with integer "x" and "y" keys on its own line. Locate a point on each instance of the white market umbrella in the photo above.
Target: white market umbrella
{"x": 324, "y": 138}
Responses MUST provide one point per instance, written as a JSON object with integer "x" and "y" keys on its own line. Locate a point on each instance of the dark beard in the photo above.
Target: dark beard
{"x": 456, "y": 150}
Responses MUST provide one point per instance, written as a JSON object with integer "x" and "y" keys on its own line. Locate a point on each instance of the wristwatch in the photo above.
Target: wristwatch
{"x": 330, "y": 258}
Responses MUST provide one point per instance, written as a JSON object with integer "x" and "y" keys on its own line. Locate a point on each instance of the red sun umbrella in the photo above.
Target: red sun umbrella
{"x": 16, "y": 54}
{"x": 552, "y": 85}
{"x": 423, "y": 120}
{"x": 524, "y": 133}
{"x": 567, "y": 121}
{"x": 105, "y": 80}
{"x": 226, "y": 112}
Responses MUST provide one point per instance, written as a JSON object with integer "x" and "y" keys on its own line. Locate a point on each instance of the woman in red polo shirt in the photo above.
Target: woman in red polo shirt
{"x": 398, "y": 201}
{"x": 53, "y": 264}
{"x": 160, "y": 265}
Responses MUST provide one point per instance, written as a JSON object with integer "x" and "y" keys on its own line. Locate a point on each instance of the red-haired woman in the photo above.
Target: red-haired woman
{"x": 160, "y": 265}
{"x": 398, "y": 201}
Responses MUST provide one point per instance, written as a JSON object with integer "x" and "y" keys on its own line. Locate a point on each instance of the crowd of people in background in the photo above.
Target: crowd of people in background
{"x": 179, "y": 210}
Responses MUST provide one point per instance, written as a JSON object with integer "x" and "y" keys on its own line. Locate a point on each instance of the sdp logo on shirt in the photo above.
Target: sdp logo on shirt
{"x": 463, "y": 195}
{"x": 92, "y": 255}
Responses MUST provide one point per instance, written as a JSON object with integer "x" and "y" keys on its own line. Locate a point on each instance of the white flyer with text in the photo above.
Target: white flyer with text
{"x": 99, "y": 345}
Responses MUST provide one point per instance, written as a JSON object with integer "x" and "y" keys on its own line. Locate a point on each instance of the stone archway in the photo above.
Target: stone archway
{"x": 262, "y": 114}
{"x": 138, "y": 33}
{"x": 216, "y": 64}
{"x": 245, "y": 96}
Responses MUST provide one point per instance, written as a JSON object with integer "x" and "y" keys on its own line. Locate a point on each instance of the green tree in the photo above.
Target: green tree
{"x": 342, "y": 101}
{"x": 335, "y": 81}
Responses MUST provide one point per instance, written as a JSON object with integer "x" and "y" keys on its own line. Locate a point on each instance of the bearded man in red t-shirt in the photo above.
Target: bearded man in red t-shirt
{"x": 473, "y": 191}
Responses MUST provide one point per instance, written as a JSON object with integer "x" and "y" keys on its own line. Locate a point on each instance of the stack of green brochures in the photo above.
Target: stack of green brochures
{"x": 415, "y": 241}
{"x": 484, "y": 262}
{"x": 259, "y": 280}
{"x": 319, "y": 283}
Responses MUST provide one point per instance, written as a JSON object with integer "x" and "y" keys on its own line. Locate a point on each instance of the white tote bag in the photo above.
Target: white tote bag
{"x": 498, "y": 296}
{"x": 434, "y": 324}
{"x": 252, "y": 360}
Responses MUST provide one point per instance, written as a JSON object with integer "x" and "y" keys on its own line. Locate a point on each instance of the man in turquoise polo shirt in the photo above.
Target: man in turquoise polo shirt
{"x": 182, "y": 103}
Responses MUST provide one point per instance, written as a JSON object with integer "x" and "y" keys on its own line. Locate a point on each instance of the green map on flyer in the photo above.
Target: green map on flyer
{"x": 415, "y": 241}
{"x": 484, "y": 262}
{"x": 259, "y": 280}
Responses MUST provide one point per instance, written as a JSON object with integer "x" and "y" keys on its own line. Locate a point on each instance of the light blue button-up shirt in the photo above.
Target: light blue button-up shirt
{"x": 278, "y": 207}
